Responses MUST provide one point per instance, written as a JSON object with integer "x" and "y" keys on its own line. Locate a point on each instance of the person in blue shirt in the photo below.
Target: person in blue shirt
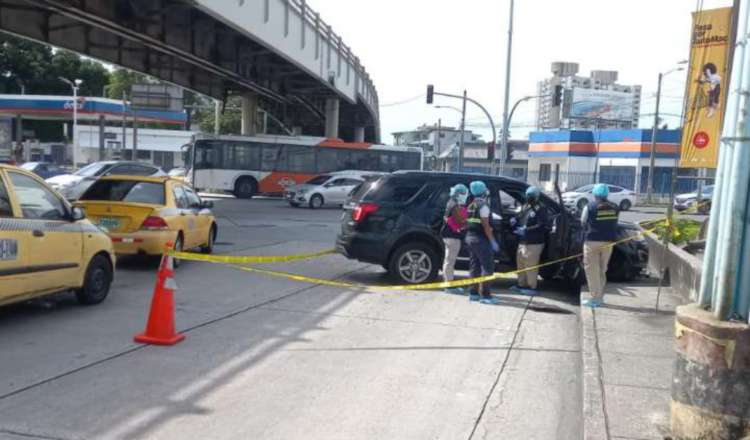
{"x": 531, "y": 226}
{"x": 481, "y": 242}
{"x": 599, "y": 220}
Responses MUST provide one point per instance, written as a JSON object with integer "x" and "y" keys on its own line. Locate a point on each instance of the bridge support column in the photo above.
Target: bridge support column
{"x": 249, "y": 114}
{"x": 359, "y": 134}
{"x": 332, "y": 118}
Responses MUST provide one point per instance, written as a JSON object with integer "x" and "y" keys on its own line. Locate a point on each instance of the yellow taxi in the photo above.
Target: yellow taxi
{"x": 141, "y": 214}
{"x": 48, "y": 246}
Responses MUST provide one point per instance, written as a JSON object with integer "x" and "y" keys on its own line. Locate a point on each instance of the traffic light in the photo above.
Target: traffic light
{"x": 491, "y": 150}
{"x": 430, "y": 90}
{"x": 557, "y": 96}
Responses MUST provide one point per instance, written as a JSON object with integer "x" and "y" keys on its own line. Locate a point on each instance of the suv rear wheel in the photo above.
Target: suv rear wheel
{"x": 414, "y": 263}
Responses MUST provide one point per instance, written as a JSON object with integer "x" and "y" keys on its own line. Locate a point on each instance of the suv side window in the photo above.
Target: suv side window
{"x": 614, "y": 189}
{"x": 37, "y": 201}
{"x": 5, "y": 209}
{"x": 180, "y": 198}
{"x": 396, "y": 189}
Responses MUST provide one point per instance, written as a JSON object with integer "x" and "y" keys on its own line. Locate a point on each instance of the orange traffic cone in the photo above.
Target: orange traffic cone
{"x": 160, "y": 326}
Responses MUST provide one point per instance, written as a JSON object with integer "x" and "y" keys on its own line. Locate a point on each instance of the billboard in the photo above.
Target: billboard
{"x": 606, "y": 105}
{"x": 706, "y": 89}
{"x": 163, "y": 97}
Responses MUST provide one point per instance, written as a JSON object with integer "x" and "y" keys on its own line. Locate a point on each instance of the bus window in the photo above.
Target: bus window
{"x": 345, "y": 160}
{"x": 388, "y": 162}
{"x": 273, "y": 158}
{"x": 246, "y": 156}
{"x": 208, "y": 154}
{"x": 301, "y": 159}
{"x": 326, "y": 160}
{"x": 408, "y": 161}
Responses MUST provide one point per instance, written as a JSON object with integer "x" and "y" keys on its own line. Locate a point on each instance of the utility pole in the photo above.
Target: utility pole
{"x": 506, "y": 124}
{"x": 461, "y": 134}
{"x": 654, "y": 130}
{"x": 75, "y": 84}
{"x": 217, "y": 117}
{"x": 123, "y": 146}
{"x": 135, "y": 135}
{"x": 436, "y": 153}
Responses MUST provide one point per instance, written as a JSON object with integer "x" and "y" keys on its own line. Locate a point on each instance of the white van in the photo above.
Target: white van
{"x": 326, "y": 189}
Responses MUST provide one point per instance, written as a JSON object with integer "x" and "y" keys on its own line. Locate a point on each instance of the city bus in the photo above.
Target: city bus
{"x": 267, "y": 164}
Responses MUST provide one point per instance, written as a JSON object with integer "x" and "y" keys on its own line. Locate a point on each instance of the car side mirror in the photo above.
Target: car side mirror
{"x": 77, "y": 214}
{"x": 207, "y": 204}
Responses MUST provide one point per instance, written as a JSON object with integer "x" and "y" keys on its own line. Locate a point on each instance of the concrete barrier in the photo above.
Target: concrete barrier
{"x": 683, "y": 270}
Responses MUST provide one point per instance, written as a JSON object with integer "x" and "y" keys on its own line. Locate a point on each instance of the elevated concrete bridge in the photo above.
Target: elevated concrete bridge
{"x": 277, "y": 54}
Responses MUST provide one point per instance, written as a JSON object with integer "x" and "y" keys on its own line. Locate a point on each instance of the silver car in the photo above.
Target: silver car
{"x": 325, "y": 189}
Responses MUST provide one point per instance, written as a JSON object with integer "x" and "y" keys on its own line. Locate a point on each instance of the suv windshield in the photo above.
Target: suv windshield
{"x": 392, "y": 189}
{"x": 126, "y": 191}
{"x": 319, "y": 180}
{"x": 94, "y": 169}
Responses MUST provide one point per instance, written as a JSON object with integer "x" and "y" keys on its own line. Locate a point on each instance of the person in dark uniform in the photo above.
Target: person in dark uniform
{"x": 481, "y": 242}
{"x": 599, "y": 220}
{"x": 531, "y": 227}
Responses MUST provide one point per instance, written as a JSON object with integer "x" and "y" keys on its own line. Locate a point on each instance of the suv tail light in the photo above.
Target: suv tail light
{"x": 362, "y": 210}
{"x": 153, "y": 222}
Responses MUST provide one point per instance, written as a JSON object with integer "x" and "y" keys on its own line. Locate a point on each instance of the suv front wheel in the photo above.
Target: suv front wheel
{"x": 414, "y": 263}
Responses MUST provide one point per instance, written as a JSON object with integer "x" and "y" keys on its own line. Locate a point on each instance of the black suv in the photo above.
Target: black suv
{"x": 395, "y": 222}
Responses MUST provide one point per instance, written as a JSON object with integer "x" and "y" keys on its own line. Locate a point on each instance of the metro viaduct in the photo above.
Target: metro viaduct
{"x": 276, "y": 54}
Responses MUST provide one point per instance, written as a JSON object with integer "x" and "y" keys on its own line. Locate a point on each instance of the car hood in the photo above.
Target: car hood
{"x": 64, "y": 179}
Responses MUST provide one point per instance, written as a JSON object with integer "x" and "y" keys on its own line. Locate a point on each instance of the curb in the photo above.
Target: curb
{"x": 594, "y": 412}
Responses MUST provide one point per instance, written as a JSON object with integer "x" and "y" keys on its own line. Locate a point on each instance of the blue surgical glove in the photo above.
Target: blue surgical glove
{"x": 520, "y": 231}
{"x": 495, "y": 246}
{"x": 513, "y": 221}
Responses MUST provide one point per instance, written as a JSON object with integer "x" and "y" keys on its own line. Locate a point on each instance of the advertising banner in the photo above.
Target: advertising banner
{"x": 606, "y": 105}
{"x": 706, "y": 90}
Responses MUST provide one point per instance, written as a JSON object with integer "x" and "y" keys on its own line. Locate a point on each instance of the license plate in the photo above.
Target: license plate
{"x": 108, "y": 223}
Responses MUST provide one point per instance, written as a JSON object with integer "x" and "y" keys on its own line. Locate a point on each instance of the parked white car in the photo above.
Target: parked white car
{"x": 71, "y": 186}
{"x": 580, "y": 197}
{"x": 326, "y": 189}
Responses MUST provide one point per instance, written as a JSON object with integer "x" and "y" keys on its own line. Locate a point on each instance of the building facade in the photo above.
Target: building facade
{"x": 617, "y": 157}
{"x": 476, "y": 159}
{"x": 569, "y": 101}
{"x": 434, "y": 140}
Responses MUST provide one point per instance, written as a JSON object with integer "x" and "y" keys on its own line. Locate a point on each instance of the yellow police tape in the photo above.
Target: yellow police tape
{"x": 321, "y": 281}
{"x": 238, "y": 259}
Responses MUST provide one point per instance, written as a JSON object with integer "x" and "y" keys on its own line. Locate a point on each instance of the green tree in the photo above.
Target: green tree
{"x": 37, "y": 68}
{"x": 121, "y": 79}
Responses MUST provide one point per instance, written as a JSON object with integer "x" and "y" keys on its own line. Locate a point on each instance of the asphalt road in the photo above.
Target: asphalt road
{"x": 271, "y": 358}
{"x": 640, "y": 213}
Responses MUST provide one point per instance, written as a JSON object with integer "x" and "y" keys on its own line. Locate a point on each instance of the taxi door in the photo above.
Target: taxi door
{"x": 55, "y": 241}
{"x": 14, "y": 247}
{"x": 201, "y": 216}
{"x": 185, "y": 219}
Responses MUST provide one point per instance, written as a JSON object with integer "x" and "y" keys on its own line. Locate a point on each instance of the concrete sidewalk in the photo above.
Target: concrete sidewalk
{"x": 628, "y": 355}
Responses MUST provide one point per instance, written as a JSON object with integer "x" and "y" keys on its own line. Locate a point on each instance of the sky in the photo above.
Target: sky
{"x": 457, "y": 45}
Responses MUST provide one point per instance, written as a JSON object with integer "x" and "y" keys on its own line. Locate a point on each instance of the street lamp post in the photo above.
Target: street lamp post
{"x": 506, "y": 116}
{"x": 75, "y": 84}
{"x": 652, "y": 160}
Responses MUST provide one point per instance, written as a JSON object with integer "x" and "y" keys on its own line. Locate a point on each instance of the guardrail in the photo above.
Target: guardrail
{"x": 364, "y": 85}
